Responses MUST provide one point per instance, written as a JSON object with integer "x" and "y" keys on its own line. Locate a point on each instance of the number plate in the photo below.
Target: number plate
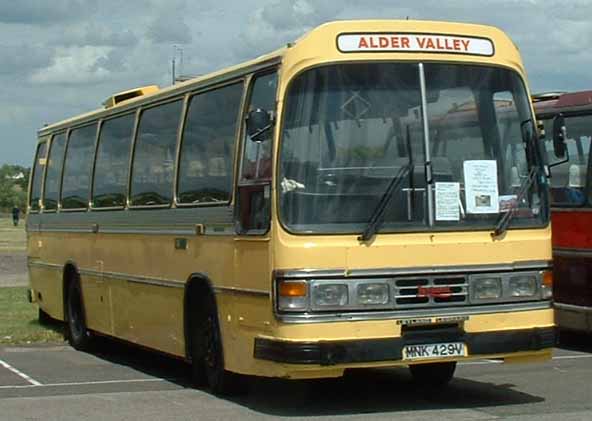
{"x": 444, "y": 350}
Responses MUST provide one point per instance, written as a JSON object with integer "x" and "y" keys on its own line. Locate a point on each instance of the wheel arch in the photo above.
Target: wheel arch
{"x": 70, "y": 273}
{"x": 197, "y": 287}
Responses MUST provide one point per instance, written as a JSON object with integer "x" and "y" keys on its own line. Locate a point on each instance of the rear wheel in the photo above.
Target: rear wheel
{"x": 433, "y": 374}
{"x": 208, "y": 355}
{"x": 78, "y": 335}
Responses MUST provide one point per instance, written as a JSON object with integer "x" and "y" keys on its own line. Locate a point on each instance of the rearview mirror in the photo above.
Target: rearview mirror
{"x": 258, "y": 122}
{"x": 559, "y": 136}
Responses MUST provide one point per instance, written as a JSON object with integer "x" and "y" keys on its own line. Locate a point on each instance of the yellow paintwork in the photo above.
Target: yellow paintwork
{"x": 153, "y": 315}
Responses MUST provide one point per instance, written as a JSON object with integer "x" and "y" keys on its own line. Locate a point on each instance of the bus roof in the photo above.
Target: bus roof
{"x": 562, "y": 102}
{"x": 323, "y": 44}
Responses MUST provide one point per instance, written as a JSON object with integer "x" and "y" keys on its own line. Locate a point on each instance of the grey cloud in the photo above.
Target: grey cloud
{"x": 169, "y": 29}
{"x": 96, "y": 35}
{"x": 23, "y": 59}
{"x": 43, "y": 12}
{"x": 161, "y": 32}
{"x": 114, "y": 61}
{"x": 286, "y": 15}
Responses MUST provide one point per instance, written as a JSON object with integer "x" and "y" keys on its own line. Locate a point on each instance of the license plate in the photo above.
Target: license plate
{"x": 443, "y": 350}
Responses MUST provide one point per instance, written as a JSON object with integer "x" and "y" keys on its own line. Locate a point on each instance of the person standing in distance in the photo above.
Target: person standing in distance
{"x": 16, "y": 212}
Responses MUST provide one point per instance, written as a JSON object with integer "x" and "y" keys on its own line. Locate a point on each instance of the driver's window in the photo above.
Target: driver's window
{"x": 257, "y": 155}
{"x": 254, "y": 189}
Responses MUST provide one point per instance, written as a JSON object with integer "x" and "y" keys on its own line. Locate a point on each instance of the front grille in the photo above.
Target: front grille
{"x": 431, "y": 291}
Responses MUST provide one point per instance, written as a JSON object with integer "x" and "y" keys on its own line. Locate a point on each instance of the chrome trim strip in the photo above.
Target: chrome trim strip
{"x": 68, "y": 229}
{"x": 245, "y": 291}
{"x": 408, "y": 314}
{"x": 571, "y": 252}
{"x": 572, "y": 307}
{"x": 133, "y": 278}
{"x": 431, "y": 270}
{"x": 44, "y": 265}
{"x": 115, "y": 276}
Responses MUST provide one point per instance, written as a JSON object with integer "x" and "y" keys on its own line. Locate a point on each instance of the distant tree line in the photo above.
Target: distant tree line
{"x": 14, "y": 181}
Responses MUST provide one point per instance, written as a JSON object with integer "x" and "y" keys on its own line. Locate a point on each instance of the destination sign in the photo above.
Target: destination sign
{"x": 419, "y": 43}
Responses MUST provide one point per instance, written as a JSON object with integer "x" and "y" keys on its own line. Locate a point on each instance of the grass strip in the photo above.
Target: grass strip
{"x": 19, "y": 322}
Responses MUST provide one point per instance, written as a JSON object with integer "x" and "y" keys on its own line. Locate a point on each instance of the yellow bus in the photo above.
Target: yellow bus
{"x": 371, "y": 195}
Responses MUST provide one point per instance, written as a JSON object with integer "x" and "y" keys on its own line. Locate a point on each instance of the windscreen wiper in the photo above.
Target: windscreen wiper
{"x": 504, "y": 221}
{"x": 377, "y": 215}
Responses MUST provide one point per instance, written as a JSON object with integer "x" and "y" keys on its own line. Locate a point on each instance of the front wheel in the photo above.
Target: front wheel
{"x": 433, "y": 374}
{"x": 78, "y": 335}
{"x": 208, "y": 354}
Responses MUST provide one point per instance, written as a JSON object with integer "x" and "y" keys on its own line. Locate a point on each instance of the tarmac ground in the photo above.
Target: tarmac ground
{"x": 121, "y": 382}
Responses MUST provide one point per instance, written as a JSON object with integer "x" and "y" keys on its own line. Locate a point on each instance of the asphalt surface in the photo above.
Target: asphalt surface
{"x": 117, "y": 382}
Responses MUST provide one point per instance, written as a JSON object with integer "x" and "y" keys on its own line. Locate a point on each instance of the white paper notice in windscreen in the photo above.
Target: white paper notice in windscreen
{"x": 481, "y": 190}
{"x": 447, "y": 201}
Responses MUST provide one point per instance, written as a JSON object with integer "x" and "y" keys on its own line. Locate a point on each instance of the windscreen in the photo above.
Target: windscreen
{"x": 348, "y": 129}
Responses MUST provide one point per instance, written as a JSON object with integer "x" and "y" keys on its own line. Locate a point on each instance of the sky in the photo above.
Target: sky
{"x": 60, "y": 58}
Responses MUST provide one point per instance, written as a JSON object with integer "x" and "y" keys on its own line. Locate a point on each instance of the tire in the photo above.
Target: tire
{"x": 433, "y": 374}
{"x": 208, "y": 354}
{"x": 78, "y": 335}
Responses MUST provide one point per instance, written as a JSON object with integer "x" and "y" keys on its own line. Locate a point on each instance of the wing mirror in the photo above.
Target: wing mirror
{"x": 559, "y": 139}
{"x": 259, "y": 121}
{"x": 559, "y": 136}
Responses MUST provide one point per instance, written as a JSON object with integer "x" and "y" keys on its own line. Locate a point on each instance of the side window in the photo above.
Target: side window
{"x": 112, "y": 165}
{"x": 254, "y": 190}
{"x": 77, "y": 168}
{"x": 207, "y": 149}
{"x": 568, "y": 181}
{"x": 257, "y": 155}
{"x": 53, "y": 176}
{"x": 37, "y": 176}
{"x": 154, "y": 155}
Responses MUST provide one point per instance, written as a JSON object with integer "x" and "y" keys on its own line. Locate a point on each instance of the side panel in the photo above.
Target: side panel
{"x": 572, "y": 267}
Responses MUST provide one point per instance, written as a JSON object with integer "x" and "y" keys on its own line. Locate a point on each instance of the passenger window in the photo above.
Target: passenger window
{"x": 51, "y": 192}
{"x": 154, "y": 155}
{"x": 112, "y": 165}
{"x": 37, "y": 175}
{"x": 77, "y": 168}
{"x": 207, "y": 150}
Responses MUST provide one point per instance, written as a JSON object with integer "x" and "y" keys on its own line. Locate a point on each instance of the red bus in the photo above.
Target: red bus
{"x": 571, "y": 206}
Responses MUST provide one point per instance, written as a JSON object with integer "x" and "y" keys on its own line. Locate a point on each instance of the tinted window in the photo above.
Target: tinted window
{"x": 111, "y": 168}
{"x": 79, "y": 158}
{"x": 207, "y": 152}
{"x": 51, "y": 193}
{"x": 38, "y": 166}
{"x": 154, "y": 155}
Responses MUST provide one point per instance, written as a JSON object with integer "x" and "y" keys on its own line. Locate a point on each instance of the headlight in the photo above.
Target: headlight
{"x": 372, "y": 294}
{"x": 487, "y": 288}
{"x": 522, "y": 286}
{"x": 330, "y": 295}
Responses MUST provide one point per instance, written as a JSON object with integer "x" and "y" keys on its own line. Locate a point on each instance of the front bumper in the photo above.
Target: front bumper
{"x": 328, "y": 353}
{"x": 573, "y": 317}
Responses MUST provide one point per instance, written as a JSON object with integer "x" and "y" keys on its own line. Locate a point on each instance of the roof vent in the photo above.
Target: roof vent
{"x": 127, "y": 95}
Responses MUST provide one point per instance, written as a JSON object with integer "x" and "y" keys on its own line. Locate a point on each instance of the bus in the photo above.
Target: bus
{"x": 371, "y": 195}
{"x": 571, "y": 204}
